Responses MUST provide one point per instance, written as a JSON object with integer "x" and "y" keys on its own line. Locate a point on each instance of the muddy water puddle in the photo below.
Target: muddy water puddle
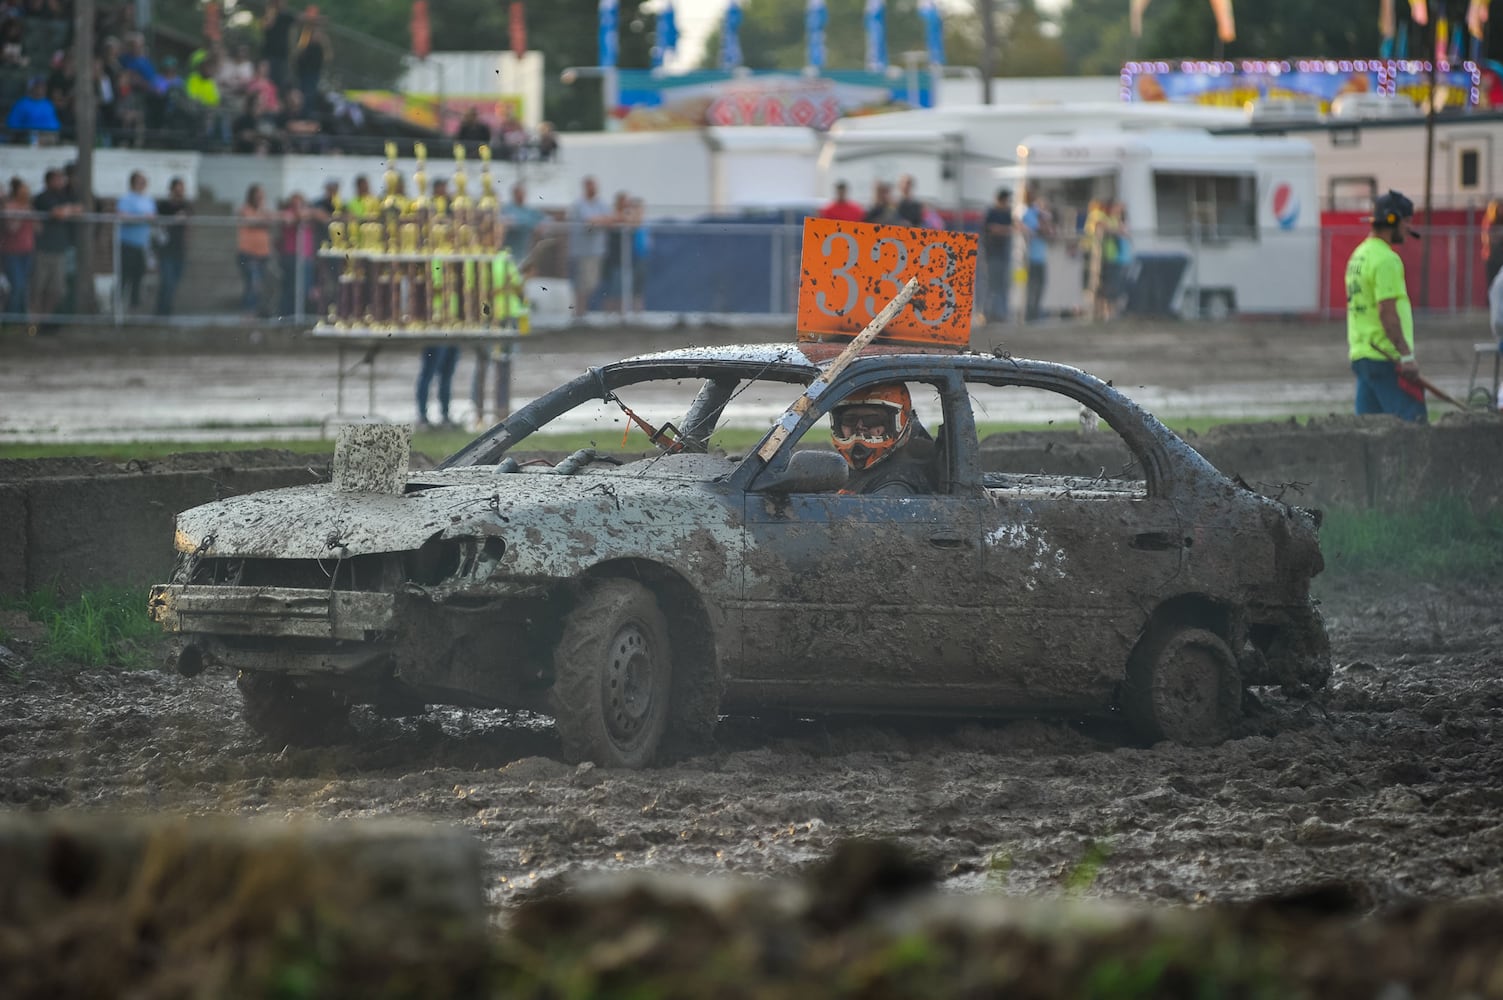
{"x": 1388, "y": 782}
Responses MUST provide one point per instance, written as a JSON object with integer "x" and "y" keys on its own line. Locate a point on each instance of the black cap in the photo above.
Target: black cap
{"x": 1390, "y": 208}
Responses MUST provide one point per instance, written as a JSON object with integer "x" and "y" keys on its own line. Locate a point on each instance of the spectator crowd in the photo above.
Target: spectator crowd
{"x": 260, "y": 92}
{"x": 1015, "y": 242}
{"x": 275, "y": 244}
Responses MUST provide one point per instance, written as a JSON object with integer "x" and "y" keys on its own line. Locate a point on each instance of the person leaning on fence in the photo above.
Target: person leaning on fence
{"x": 1379, "y": 319}
{"x": 58, "y": 203}
{"x": 364, "y": 205}
{"x": 997, "y": 239}
{"x": 172, "y": 248}
{"x": 253, "y": 249}
{"x": 508, "y": 309}
{"x": 137, "y": 210}
{"x": 589, "y": 221}
{"x": 17, "y": 247}
{"x": 299, "y": 222}
{"x": 843, "y": 209}
{"x": 884, "y": 210}
{"x": 1038, "y": 228}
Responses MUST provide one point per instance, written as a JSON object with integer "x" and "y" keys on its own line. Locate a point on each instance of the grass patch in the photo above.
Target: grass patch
{"x": 1439, "y": 540}
{"x": 1088, "y": 869}
{"x": 104, "y": 627}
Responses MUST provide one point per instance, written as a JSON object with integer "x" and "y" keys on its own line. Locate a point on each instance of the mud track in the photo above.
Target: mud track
{"x": 1388, "y": 782}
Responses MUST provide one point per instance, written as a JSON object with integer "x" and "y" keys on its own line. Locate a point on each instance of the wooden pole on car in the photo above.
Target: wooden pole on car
{"x": 801, "y": 405}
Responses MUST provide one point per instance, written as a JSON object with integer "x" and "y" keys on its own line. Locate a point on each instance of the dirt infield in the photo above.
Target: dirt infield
{"x": 1385, "y": 785}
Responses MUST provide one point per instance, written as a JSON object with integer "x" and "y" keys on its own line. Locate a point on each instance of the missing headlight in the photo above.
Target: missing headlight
{"x": 438, "y": 559}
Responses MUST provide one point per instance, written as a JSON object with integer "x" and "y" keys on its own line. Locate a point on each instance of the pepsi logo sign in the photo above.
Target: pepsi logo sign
{"x": 1285, "y": 206}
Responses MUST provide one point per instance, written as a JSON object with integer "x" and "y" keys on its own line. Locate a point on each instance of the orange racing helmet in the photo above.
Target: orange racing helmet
{"x": 858, "y": 436}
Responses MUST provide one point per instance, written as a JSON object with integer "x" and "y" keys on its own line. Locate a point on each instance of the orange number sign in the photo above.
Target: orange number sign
{"x": 850, "y": 270}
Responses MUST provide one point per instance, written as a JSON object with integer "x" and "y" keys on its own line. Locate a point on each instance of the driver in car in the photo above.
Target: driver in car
{"x": 878, "y": 433}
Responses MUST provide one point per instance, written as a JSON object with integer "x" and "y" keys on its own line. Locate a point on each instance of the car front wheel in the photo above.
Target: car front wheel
{"x": 612, "y": 676}
{"x": 1183, "y": 686}
{"x": 287, "y": 714}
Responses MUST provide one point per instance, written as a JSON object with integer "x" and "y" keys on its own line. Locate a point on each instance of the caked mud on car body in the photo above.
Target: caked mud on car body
{"x": 642, "y": 600}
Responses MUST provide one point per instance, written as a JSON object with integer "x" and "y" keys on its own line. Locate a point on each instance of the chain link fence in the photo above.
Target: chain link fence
{"x": 216, "y": 270}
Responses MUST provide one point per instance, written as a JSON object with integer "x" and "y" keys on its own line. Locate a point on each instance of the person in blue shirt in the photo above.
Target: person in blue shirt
{"x": 520, "y": 222}
{"x": 134, "y": 236}
{"x": 1038, "y": 229}
{"x": 33, "y": 112}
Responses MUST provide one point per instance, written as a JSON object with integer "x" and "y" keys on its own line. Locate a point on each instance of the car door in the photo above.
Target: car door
{"x": 859, "y": 601}
{"x": 1079, "y": 552}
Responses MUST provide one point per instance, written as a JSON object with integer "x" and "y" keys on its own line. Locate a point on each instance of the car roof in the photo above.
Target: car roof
{"x": 812, "y": 357}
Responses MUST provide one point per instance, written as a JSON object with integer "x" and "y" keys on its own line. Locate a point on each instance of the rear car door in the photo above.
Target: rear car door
{"x": 1078, "y": 551}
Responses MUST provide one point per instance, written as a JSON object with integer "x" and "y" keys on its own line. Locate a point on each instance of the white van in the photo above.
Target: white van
{"x": 1241, "y": 212}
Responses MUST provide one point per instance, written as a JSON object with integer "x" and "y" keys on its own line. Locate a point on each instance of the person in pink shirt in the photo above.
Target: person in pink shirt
{"x": 264, "y": 91}
{"x": 299, "y": 224}
{"x": 18, "y": 244}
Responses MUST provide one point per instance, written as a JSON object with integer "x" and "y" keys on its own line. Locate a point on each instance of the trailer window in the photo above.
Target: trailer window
{"x": 1471, "y": 169}
{"x": 1209, "y": 206}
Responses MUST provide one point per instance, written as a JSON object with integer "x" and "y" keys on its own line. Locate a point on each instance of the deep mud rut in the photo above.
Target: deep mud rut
{"x": 1389, "y": 782}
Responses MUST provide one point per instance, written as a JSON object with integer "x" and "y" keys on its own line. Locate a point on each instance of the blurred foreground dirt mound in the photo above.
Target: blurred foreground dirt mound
{"x": 96, "y": 907}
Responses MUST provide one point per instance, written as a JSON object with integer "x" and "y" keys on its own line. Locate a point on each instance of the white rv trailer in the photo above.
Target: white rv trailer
{"x": 952, "y": 152}
{"x": 1242, "y": 211}
{"x": 1355, "y": 158}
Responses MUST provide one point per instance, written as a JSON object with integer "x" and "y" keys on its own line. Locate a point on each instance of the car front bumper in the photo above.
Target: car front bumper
{"x": 282, "y": 612}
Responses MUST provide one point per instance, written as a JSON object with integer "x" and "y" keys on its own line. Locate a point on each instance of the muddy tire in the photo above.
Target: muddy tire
{"x": 612, "y": 676}
{"x": 286, "y": 714}
{"x": 1183, "y": 686}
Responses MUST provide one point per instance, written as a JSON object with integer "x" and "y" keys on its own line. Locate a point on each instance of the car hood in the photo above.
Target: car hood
{"x": 313, "y": 522}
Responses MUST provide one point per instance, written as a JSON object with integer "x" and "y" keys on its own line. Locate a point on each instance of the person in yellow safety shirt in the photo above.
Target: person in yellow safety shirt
{"x": 508, "y": 306}
{"x": 364, "y": 206}
{"x": 1379, "y": 319}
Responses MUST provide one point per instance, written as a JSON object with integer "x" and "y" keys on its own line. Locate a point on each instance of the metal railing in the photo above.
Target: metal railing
{"x": 723, "y": 269}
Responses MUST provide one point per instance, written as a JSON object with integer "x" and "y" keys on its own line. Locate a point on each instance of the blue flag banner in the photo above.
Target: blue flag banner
{"x": 667, "y": 37}
{"x": 610, "y": 49}
{"x": 876, "y": 35}
{"x": 934, "y": 31}
{"x": 730, "y": 37}
{"x": 815, "y": 19}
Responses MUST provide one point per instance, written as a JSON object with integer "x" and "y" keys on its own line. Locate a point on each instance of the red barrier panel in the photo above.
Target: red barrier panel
{"x": 1456, "y": 265}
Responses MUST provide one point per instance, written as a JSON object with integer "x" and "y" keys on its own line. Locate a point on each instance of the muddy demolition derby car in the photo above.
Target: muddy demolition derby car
{"x": 639, "y": 600}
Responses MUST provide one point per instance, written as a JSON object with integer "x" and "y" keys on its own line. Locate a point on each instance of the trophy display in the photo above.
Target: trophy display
{"x": 423, "y": 264}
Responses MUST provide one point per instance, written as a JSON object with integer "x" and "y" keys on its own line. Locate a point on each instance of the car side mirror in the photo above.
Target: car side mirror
{"x": 809, "y": 471}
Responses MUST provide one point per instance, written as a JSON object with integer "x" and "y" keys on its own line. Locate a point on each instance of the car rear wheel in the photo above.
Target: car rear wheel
{"x": 1183, "y": 686}
{"x": 612, "y": 676}
{"x": 287, "y": 714}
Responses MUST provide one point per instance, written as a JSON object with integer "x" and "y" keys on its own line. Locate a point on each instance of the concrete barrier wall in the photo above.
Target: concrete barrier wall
{"x": 77, "y": 525}
{"x": 1345, "y": 461}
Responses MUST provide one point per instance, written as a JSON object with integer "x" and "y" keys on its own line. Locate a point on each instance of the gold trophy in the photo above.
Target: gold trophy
{"x": 419, "y": 209}
{"x": 412, "y": 295}
{"x": 386, "y": 285}
{"x": 444, "y": 291}
{"x": 337, "y": 243}
{"x": 460, "y": 205}
{"x": 489, "y": 233}
{"x": 461, "y": 217}
{"x": 488, "y": 208}
{"x": 372, "y": 299}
